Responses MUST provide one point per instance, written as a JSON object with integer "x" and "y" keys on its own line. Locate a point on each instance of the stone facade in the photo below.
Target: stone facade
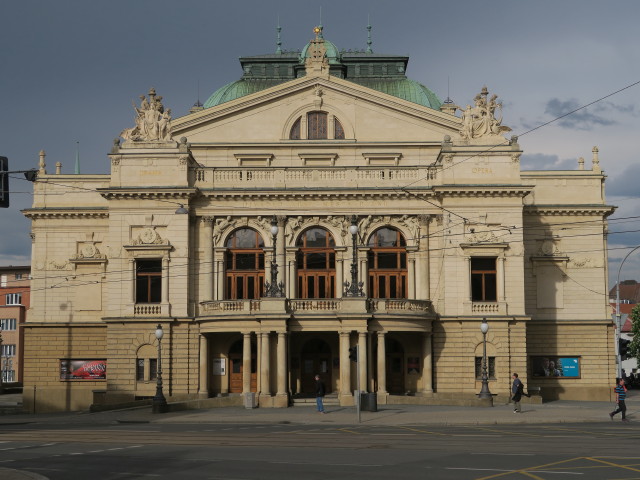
{"x": 450, "y": 230}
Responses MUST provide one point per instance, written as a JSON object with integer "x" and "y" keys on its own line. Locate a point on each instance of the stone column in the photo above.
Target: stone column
{"x": 282, "y": 364}
{"x": 382, "y": 363}
{"x": 246, "y": 362}
{"x": 500, "y": 278}
{"x": 132, "y": 283}
{"x": 362, "y": 360}
{"x": 206, "y": 270}
{"x": 467, "y": 282}
{"x": 411, "y": 278}
{"x": 264, "y": 364}
{"x": 280, "y": 251}
{"x": 219, "y": 276}
{"x": 339, "y": 277}
{"x": 292, "y": 280}
{"x": 427, "y": 379}
{"x": 423, "y": 223}
{"x": 165, "y": 281}
{"x": 345, "y": 367}
{"x": 203, "y": 387}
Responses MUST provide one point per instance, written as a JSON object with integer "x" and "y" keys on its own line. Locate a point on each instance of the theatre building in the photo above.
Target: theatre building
{"x": 323, "y": 201}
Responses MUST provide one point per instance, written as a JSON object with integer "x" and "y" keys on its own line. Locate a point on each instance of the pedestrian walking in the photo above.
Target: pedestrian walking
{"x": 517, "y": 388}
{"x": 621, "y": 395}
{"x": 320, "y": 391}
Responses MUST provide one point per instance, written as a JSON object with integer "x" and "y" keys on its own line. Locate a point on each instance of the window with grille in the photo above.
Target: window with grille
{"x": 7, "y": 324}
{"x": 491, "y": 368}
{"x": 317, "y": 126}
{"x": 483, "y": 279}
{"x": 148, "y": 281}
{"x": 338, "y": 130}
{"x": 316, "y": 264}
{"x": 13, "y": 299}
{"x": 387, "y": 262}
{"x": 8, "y": 350}
{"x": 244, "y": 265}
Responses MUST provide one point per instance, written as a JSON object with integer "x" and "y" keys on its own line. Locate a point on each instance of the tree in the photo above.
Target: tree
{"x": 634, "y": 346}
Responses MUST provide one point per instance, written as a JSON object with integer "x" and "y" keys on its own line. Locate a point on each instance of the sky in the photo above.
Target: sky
{"x": 70, "y": 70}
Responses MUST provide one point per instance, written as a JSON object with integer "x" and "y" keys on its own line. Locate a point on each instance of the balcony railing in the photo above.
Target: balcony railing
{"x": 391, "y": 305}
{"x": 239, "y": 306}
{"x": 488, "y": 308}
{"x": 315, "y": 305}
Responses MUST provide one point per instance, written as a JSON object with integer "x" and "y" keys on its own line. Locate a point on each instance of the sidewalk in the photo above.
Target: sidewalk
{"x": 562, "y": 411}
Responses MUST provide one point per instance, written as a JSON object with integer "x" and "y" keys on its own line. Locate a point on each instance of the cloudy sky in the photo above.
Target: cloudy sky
{"x": 70, "y": 70}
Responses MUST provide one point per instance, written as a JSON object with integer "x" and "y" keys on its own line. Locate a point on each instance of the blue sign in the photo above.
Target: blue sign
{"x": 570, "y": 366}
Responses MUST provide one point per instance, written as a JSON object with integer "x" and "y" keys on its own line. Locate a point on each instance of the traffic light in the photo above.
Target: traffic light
{"x": 353, "y": 354}
{"x": 4, "y": 182}
{"x": 623, "y": 348}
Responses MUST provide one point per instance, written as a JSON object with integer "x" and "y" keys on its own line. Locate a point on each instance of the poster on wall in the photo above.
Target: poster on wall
{"x": 552, "y": 366}
{"x": 83, "y": 369}
{"x": 219, "y": 366}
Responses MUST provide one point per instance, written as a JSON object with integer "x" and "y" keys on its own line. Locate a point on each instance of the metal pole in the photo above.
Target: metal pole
{"x": 159, "y": 402}
{"x": 484, "y": 391}
{"x": 1, "y": 379}
{"x": 358, "y": 381}
{"x": 618, "y": 322}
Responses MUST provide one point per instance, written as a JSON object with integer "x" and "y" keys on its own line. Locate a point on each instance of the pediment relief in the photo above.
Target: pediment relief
{"x": 147, "y": 236}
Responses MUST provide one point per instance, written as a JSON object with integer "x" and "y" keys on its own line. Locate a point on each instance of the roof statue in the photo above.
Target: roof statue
{"x": 153, "y": 122}
{"x": 481, "y": 120}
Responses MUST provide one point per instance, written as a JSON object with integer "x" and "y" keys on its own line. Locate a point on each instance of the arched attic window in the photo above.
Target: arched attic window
{"x": 317, "y": 124}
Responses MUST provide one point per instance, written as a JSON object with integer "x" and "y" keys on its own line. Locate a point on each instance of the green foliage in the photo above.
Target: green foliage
{"x": 634, "y": 346}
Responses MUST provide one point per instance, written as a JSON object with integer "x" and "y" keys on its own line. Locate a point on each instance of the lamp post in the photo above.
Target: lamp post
{"x": 618, "y": 325}
{"x": 159, "y": 403}
{"x": 354, "y": 288}
{"x": 274, "y": 289}
{"x": 484, "y": 391}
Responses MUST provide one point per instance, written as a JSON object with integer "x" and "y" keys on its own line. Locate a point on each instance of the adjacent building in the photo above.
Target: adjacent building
{"x": 324, "y": 201}
{"x": 14, "y": 304}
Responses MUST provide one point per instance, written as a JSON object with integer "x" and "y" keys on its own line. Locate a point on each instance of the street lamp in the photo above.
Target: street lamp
{"x": 274, "y": 289}
{"x": 159, "y": 403}
{"x": 618, "y": 325}
{"x": 484, "y": 391}
{"x": 354, "y": 289}
{"x": 1, "y": 383}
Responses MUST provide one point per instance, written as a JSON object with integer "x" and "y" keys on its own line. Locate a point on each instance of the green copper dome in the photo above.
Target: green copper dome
{"x": 333, "y": 55}
{"x": 404, "y": 88}
{"x": 239, "y": 88}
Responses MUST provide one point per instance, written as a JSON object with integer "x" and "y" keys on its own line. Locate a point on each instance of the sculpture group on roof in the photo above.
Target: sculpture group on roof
{"x": 153, "y": 122}
{"x": 481, "y": 120}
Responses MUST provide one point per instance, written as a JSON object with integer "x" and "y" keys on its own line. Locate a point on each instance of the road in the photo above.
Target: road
{"x": 119, "y": 451}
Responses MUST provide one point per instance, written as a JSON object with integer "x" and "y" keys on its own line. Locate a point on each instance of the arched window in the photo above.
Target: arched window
{"x": 317, "y": 126}
{"x": 316, "y": 263}
{"x": 295, "y": 130}
{"x": 387, "y": 261}
{"x": 244, "y": 265}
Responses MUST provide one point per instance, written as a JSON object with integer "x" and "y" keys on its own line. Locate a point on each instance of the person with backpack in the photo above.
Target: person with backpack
{"x": 517, "y": 388}
{"x": 621, "y": 395}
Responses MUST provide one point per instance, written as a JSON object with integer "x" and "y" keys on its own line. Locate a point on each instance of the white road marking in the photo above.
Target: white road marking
{"x": 516, "y": 454}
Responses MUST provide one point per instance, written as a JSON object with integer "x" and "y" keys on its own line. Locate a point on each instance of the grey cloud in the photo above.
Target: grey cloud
{"x": 625, "y": 184}
{"x": 541, "y": 161}
{"x": 580, "y": 120}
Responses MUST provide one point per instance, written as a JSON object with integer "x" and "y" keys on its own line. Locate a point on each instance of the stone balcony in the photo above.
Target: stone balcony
{"x": 252, "y": 178}
{"x": 316, "y": 306}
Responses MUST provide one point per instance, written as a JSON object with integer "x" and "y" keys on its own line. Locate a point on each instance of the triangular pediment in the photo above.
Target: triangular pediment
{"x": 366, "y": 114}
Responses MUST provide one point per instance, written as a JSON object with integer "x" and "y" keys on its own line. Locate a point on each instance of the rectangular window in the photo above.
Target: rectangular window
{"x": 153, "y": 369}
{"x": 491, "y": 368}
{"x": 8, "y": 350}
{"x": 483, "y": 279}
{"x": 7, "y": 324}
{"x": 18, "y": 276}
{"x": 140, "y": 370}
{"x": 13, "y": 298}
{"x": 9, "y": 376}
{"x": 148, "y": 281}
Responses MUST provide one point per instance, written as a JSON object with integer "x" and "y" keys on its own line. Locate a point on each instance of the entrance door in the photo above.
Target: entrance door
{"x": 316, "y": 360}
{"x": 236, "y": 368}
{"x": 395, "y": 367}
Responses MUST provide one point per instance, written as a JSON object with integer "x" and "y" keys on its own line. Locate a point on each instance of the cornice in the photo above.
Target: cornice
{"x": 311, "y": 194}
{"x": 559, "y": 210}
{"x": 149, "y": 193}
{"x": 482, "y": 190}
{"x": 66, "y": 212}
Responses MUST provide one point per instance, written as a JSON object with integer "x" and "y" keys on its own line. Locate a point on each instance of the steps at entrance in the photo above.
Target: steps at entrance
{"x": 311, "y": 401}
